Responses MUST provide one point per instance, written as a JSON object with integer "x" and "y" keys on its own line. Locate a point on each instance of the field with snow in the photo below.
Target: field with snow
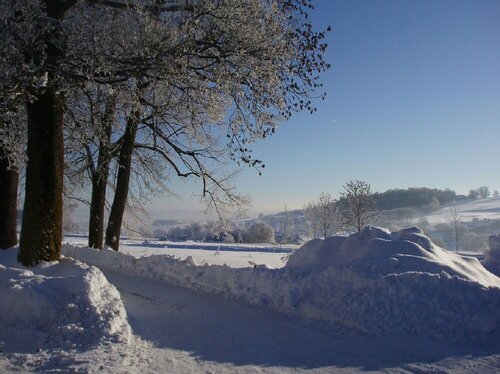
{"x": 468, "y": 210}
{"x": 233, "y": 255}
{"x": 372, "y": 302}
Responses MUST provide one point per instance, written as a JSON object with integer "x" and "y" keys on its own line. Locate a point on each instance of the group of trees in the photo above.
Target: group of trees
{"x": 129, "y": 93}
{"x": 354, "y": 210}
{"x": 221, "y": 231}
{"x": 481, "y": 192}
{"x": 429, "y": 199}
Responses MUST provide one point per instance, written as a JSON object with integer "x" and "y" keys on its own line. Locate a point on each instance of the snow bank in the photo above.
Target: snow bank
{"x": 378, "y": 252}
{"x": 492, "y": 259}
{"x": 65, "y": 305}
{"x": 373, "y": 281}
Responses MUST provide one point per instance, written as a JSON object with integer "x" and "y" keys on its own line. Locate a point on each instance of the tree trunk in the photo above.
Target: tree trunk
{"x": 41, "y": 232}
{"x": 9, "y": 179}
{"x": 122, "y": 184}
{"x": 97, "y": 203}
{"x": 100, "y": 181}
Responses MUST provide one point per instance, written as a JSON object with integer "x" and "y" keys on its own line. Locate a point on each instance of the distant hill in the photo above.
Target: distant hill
{"x": 394, "y": 203}
{"x": 470, "y": 210}
{"x": 164, "y": 222}
{"x": 418, "y": 197}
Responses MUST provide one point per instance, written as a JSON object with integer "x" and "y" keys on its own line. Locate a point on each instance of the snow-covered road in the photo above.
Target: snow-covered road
{"x": 182, "y": 331}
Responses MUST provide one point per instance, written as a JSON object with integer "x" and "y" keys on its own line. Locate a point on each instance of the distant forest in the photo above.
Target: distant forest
{"x": 414, "y": 197}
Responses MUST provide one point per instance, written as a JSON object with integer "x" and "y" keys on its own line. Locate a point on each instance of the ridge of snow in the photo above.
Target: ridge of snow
{"x": 66, "y": 305}
{"x": 377, "y": 250}
{"x": 374, "y": 281}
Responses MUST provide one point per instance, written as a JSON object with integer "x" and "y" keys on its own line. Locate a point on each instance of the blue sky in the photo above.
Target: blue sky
{"x": 413, "y": 99}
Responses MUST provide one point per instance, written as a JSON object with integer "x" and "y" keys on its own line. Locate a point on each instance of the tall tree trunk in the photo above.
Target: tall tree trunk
{"x": 98, "y": 201}
{"x": 9, "y": 179}
{"x": 100, "y": 181}
{"x": 41, "y": 232}
{"x": 122, "y": 185}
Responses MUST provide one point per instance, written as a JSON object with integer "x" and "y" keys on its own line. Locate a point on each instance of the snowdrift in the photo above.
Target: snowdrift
{"x": 378, "y": 252}
{"x": 492, "y": 260}
{"x": 374, "y": 281}
{"x": 63, "y": 305}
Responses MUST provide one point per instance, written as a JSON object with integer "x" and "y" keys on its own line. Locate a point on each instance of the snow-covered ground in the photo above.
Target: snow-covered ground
{"x": 468, "y": 210}
{"x": 373, "y": 302}
{"x": 233, "y": 255}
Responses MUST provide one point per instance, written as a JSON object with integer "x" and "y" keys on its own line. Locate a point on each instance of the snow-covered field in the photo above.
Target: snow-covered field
{"x": 468, "y": 210}
{"x": 372, "y": 302}
{"x": 233, "y": 255}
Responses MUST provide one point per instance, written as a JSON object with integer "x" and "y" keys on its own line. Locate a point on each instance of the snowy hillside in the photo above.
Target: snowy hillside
{"x": 468, "y": 210}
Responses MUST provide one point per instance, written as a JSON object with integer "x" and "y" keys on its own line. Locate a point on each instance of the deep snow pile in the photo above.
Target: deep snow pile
{"x": 401, "y": 281}
{"x": 492, "y": 260}
{"x": 378, "y": 252}
{"x": 373, "y": 281}
{"x": 62, "y": 305}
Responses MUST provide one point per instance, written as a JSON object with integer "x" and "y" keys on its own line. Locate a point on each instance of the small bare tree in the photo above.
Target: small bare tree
{"x": 327, "y": 214}
{"x": 311, "y": 216}
{"x": 321, "y": 215}
{"x": 357, "y": 206}
{"x": 456, "y": 226}
{"x": 484, "y": 192}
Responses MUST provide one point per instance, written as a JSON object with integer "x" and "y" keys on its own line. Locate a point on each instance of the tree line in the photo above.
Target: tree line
{"x": 413, "y": 197}
{"x": 220, "y": 231}
{"x": 119, "y": 97}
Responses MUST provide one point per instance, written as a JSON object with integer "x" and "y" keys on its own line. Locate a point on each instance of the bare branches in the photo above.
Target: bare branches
{"x": 357, "y": 207}
{"x": 322, "y": 215}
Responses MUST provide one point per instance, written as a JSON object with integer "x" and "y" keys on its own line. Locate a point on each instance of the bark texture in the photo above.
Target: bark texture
{"x": 99, "y": 182}
{"x": 122, "y": 185}
{"x": 41, "y": 231}
{"x": 9, "y": 180}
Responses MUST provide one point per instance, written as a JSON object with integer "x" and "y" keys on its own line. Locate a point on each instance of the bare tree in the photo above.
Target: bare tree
{"x": 327, "y": 214}
{"x": 473, "y": 194}
{"x": 357, "y": 206}
{"x": 322, "y": 215}
{"x": 484, "y": 192}
{"x": 457, "y": 226}
{"x": 311, "y": 216}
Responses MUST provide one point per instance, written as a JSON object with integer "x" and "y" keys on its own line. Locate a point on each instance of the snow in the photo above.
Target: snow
{"x": 468, "y": 210}
{"x": 375, "y": 301}
{"x": 492, "y": 260}
{"x": 378, "y": 250}
{"x": 65, "y": 305}
{"x": 375, "y": 282}
{"x": 234, "y": 255}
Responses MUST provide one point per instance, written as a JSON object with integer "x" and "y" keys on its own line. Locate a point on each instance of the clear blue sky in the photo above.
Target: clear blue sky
{"x": 413, "y": 99}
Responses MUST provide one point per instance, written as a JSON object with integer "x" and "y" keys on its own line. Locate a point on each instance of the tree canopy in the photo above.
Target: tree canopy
{"x": 195, "y": 84}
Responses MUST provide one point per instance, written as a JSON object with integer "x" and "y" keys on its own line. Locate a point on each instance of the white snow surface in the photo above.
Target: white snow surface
{"x": 239, "y": 255}
{"x": 374, "y": 302}
{"x": 66, "y": 305}
{"x": 375, "y": 282}
{"x": 492, "y": 260}
{"x": 469, "y": 210}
